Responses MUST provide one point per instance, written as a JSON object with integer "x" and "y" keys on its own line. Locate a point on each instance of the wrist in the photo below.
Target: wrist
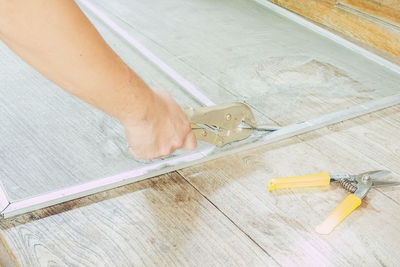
{"x": 137, "y": 103}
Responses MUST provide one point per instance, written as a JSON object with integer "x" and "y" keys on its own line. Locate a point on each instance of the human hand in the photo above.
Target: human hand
{"x": 88, "y": 68}
{"x": 161, "y": 129}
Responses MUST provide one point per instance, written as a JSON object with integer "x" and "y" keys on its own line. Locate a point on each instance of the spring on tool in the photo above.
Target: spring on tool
{"x": 348, "y": 185}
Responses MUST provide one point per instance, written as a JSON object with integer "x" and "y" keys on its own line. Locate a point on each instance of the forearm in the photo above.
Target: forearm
{"x": 57, "y": 39}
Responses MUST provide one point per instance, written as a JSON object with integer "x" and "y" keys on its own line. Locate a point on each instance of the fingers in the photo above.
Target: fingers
{"x": 148, "y": 153}
{"x": 165, "y": 130}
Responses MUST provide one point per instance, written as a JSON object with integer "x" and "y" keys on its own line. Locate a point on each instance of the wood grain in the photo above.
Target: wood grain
{"x": 158, "y": 222}
{"x": 283, "y": 222}
{"x": 7, "y": 258}
{"x": 355, "y": 24}
{"x": 379, "y": 134}
{"x": 259, "y": 57}
{"x": 285, "y": 72}
{"x": 51, "y": 139}
{"x": 387, "y": 10}
{"x": 275, "y": 62}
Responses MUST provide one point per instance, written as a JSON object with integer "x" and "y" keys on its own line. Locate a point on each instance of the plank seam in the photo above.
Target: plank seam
{"x": 226, "y": 216}
{"x": 389, "y": 197}
{"x": 365, "y": 15}
{"x": 103, "y": 184}
{"x": 66, "y": 194}
{"x": 301, "y": 139}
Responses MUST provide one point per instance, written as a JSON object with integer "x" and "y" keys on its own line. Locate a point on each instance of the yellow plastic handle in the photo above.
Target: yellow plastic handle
{"x": 320, "y": 179}
{"x": 350, "y": 203}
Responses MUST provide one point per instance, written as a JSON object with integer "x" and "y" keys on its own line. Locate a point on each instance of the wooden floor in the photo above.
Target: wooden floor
{"x": 220, "y": 212}
{"x": 284, "y": 71}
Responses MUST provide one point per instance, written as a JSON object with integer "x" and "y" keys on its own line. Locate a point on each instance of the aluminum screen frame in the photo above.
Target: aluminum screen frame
{"x": 9, "y": 209}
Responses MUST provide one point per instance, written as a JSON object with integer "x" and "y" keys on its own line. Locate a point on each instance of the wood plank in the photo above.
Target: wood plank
{"x": 379, "y": 133}
{"x": 317, "y": 77}
{"x": 387, "y": 10}
{"x": 7, "y": 258}
{"x": 51, "y": 139}
{"x": 363, "y": 28}
{"x": 255, "y": 140}
{"x": 277, "y": 61}
{"x": 267, "y": 66}
{"x": 164, "y": 223}
{"x": 283, "y": 222}
{"x": 161, "y": 222}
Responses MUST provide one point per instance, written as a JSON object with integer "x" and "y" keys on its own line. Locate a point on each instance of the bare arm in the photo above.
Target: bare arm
{"x": 58, "y": 40}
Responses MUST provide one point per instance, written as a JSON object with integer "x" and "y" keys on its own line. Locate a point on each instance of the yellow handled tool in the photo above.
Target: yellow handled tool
{"x": 320, "y": 179}
{"x": 358, "y": 185}
{"x": 350, "y": 203}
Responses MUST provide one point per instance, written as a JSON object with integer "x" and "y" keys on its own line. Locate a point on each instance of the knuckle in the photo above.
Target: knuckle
{"x": 178, "y": 143}
{"x": 191, "y": 142}
{"x": 171, "y": 150}
{"x": 193, "y": 145}
{"x": 187, "y": 128}
{"x": 167, "y": 151}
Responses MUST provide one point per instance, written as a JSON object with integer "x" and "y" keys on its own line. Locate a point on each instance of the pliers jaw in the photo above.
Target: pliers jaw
{"x": 358, "y": 185}
{"x": 361, "y": 183}
{"x": 364, "y": 184}
{"x": 220, "y": 125}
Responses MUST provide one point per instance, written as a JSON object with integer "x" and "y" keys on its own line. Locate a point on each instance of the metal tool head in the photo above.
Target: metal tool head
{"x": 361, "y": 183}
{"x": 382, "y": 183}
{"x": 375, "y": 174}
{"x": 370, "y": 179}
{"x": 220, "y": 124}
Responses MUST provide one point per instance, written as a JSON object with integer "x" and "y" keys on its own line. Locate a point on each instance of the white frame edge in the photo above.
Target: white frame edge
{"x": 3, "y": 200}
{"x": 174, "y": 164}
{"x": 188, "y": 86}
{"x": 337, "y": 39}
{"x": 95, "y": 186}
{"x": 8, "y": 209}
